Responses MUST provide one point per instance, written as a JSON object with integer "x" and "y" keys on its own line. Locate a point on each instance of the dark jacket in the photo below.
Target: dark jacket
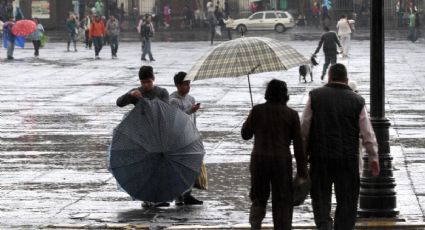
{"x": 157, "y": 92}
{"x": 329, "y": 40}
{"x": 334, "y": 131}
{"x": 275, "y": 126}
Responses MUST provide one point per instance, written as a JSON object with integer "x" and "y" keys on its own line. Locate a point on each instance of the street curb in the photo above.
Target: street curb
{"x": 373, "y": 224}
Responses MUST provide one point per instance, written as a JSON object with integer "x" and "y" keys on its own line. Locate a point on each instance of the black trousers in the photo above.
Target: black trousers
{"x": 274, "y": 172}
{"x": 36, "y": 44}
{"x": 344, "y": 175}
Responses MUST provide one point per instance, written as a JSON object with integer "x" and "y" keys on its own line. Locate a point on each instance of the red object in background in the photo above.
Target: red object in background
{"x": 23, "y": 27}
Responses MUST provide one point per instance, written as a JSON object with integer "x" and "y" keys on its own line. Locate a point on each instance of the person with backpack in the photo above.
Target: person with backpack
{"x": 147, "y": 32}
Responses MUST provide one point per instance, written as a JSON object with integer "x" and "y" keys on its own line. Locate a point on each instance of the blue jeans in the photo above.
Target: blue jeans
{"x": 114, "y": 44}
{"x": 98, "y": 44}
{"x": 147, "y": 48}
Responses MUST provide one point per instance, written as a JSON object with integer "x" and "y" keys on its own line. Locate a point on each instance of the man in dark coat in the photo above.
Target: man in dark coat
{"x": 329, "y": 40}
{"x": 274, "y": 126}
{"x": 332, "y": 121}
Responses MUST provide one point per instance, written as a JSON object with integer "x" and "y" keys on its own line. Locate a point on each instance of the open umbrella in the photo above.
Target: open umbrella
{"x": 23, "y": 27}
{"x": 156, "y": 152}
{"x": 245, "y": 56}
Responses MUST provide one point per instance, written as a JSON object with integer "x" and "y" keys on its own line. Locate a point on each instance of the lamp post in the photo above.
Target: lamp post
{"x": 377, "y": 194}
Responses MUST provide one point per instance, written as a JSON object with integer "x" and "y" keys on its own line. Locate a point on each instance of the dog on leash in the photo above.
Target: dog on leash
{"x": 305, "y": 70}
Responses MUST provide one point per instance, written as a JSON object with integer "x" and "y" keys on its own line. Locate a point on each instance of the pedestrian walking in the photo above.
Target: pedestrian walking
{"x": 96, "y": 34}
{"x": 412, "y": 27}
{"x": 333, "y": 119}
{"x": 185, "y": 102}
{"x": 147, "y": 31}
{"x": 345, "y": 29}
{"x": 72, "y": 30}
{"x": 86, "y": 26}
{"x": 329, "y": 40}
{"x": 167, "y": 16}
{"x": 229, "y": 22}
{"x": 148, "y": 91}
{"x": 99, "y": 7}
{"x": 113, "y": 31}
{"x": 274, "y": 126}
{"x": 9, "y": 37}
{"x": 212, "y": 20}
{"x": 36, "y": 36}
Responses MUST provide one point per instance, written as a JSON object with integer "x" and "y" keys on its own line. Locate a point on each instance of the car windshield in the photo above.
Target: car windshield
{"x": 281, "y": 15}
{"x": 256, "y": 16}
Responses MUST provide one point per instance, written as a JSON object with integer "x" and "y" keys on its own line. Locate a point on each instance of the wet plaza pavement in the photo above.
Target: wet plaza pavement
{"x": 58, "y": 112}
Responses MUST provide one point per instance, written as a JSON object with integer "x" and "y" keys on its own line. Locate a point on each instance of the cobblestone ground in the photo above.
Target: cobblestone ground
{"x": 58, "y": 113}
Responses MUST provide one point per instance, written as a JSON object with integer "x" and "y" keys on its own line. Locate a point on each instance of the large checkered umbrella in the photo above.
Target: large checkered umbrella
{"x": 244, "y": 56}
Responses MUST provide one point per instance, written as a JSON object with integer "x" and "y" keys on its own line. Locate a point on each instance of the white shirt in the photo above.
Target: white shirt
{"x": 343, "y": 27}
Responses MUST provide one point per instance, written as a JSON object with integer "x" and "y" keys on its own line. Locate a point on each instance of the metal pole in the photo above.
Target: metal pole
{"x": 377, "y": 194}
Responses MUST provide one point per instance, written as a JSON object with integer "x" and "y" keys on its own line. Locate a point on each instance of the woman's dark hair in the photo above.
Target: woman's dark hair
{"x": 277, "y": 92}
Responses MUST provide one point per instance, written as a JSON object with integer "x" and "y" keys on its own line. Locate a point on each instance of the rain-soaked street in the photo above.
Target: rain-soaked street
{"x": 58, "y": 112}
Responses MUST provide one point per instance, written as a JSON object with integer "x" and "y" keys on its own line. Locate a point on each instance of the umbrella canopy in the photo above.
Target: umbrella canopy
{"x": 23, "y": 27}
{"x": 244, "y": 56}
{"x": 156, "y": 152}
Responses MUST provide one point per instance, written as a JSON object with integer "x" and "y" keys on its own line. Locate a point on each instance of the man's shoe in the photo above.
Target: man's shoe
{"x": 147, "y": 204}
{"x": 180, "y": 201}
{"x": 161, "y": 204}
{"x": 152, "y": 59}
{"x": 10, "y": 58}
{"x": 190, "y": 200}
{"x": 321, "y": 78}
{"x": 96, "y": 57}
{"x": 143, "y": 59}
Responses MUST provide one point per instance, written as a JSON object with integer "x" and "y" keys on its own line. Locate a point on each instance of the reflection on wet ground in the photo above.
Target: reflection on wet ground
{"x": 58, "y": 113}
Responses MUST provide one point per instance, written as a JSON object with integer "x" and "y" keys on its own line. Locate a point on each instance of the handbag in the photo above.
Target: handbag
{"x": 201, "y": 181}
{"x": 218, "y": 30}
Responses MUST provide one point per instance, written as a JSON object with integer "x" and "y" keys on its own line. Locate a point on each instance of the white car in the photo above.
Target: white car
{"x": 264, "y": 20}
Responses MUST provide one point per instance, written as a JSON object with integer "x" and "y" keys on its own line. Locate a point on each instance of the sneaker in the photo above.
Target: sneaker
{"x": 190, "y": 200}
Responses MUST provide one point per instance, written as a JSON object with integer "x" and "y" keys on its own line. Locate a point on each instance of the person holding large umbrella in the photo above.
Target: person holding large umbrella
{"x": 148, "y": 91}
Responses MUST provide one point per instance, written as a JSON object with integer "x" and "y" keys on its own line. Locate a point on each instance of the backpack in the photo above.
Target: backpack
{"x": 146, "y": 30}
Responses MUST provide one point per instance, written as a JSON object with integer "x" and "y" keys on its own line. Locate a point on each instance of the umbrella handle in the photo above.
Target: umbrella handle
{"x": 250, "y": 91}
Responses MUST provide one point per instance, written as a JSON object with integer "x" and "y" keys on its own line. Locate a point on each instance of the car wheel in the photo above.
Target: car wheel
{"x": 279, "y": 28}
{"x": 241, "y": 29}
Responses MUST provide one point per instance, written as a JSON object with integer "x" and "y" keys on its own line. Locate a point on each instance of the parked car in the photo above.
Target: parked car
{"x": 264, "y": 20}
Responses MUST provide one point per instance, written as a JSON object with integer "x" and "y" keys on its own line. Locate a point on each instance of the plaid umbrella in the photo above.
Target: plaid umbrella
{"x": 244, "y": 56}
